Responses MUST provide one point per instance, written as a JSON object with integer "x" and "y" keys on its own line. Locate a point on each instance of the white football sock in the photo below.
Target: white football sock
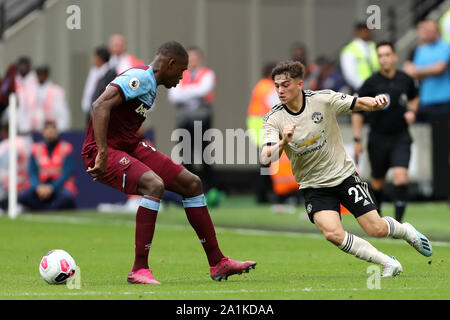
{"x": 396, "y": 229}
{"x": 363, "y": 250}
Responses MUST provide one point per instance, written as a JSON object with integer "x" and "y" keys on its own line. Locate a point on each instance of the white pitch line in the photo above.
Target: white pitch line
{"x": 207, "y": 292}
{"x": 244, "y": 231}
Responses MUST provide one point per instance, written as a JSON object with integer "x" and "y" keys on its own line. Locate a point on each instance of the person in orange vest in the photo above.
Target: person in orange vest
{"x": 120, "y": 60}
{"x": 51, "y": 173}
{"x": 284, "y": 184}
{"x": 194, "y": 97}
{"x": 263, "y": 98}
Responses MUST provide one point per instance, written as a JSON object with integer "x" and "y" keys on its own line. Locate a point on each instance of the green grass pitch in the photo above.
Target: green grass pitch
{"x": 294, "y": 261}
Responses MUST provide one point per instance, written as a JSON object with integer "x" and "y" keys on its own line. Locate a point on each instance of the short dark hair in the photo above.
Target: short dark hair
{"x": 386, "y": 43}
{"x": 44, "y": 68}
{"x": 173, "y": 49}
{"x": 361, "y": 24}
{"x": 267, "y": 69}
{"x": 50, "y": 122}
{"x": 103, "y": 53}
{"x": 24, "y": 60}
{"x": 294, "y": 69}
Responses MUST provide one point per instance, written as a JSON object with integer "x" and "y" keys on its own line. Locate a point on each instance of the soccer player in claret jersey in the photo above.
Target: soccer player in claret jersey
{"x": 304, "y": 126}
{"x": 114, "y": 154}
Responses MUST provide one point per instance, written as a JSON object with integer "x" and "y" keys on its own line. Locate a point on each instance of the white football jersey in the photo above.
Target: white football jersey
{"x": 316, "y": 152}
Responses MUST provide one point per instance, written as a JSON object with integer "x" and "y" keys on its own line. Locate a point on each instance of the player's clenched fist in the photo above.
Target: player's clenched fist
{"x": 380, "y": 101}
{"x": 288, "y": 133}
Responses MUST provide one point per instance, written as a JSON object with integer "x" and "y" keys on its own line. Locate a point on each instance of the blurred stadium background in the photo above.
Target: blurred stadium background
{"x": 237, "y": 38}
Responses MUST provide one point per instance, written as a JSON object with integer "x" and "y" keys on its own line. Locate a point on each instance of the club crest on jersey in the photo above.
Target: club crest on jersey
{"x": 134, "y": 83}
{"x": 317, "y": 117}
{"x": 124, "y": 161}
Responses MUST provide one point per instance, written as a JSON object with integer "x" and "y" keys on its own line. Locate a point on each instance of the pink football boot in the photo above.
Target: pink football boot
{"x": 142, "y": 276}
{"x": 227, "y": 267}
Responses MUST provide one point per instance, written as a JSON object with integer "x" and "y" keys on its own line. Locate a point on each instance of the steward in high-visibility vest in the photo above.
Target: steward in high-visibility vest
{"x": 359, "y": 58}
{"x": 263, "y": 98}
{"x": 444, "y": 25}
{"x": 50, "y": 165}
{"x": 51, "y": 173}
{"x": 283, "y": 180}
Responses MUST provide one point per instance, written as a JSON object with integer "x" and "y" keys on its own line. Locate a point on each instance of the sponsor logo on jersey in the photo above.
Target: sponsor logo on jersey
{"x": 309, "y": 140}
{"x": 317, "y": 117}
{"x": 311, "y": 143}
{"x": 134, "y": 83}
{"x": 124, "y": 161}
{"x": 142, "y": 110}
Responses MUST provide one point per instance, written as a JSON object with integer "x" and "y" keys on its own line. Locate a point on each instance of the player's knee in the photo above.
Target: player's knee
{"x": 195, "y": 186}
{"x": 151, "y": 185}
{"x": 336, "y": 236}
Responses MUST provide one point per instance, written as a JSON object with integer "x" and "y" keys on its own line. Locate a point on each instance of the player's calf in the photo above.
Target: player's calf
{"x": 336, "y": 236}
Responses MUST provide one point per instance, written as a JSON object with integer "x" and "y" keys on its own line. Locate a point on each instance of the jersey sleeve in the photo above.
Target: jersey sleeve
{"x": 133, "y": 83}
{"x": 341, "y": 102}
{"x": 271, "y": 134}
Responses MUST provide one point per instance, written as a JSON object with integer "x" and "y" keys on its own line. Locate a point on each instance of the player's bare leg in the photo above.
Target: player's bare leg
{"x": 151, "y": 187}
{"x": 400, "y": 196}
{"x": 375, "y": 226}
{"x": 329, "y": 223}
{"x": 190, "y": 187}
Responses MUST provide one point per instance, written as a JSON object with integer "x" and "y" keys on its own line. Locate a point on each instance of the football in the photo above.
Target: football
{"x": 57, "y": 266}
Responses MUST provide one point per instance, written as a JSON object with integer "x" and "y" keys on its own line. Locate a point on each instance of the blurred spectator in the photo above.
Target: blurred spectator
{"x": 51, "y": 173}
{"x": 359, "y": 58}
{"x": 420, "y": 32}
{"x": 430, "y": 66}
{"x": 43, "y": 102}
{"x": 120, "y": 59}
{"x": 445, "y": 26}
{"x": 7, "y": 86}
{"x": 329, "y": 77}
{"x": 25, "y": 82}
{"x": 23, "y": 145}
{"x": 194, "y": 97}
{"x": 299, "y": 52}
{"x": 100, "y": 75}
{"x": 264, "y": 97}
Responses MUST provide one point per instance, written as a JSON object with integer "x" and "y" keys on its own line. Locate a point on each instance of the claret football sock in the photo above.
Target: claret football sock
{"x": 198, "y": 216}
{"x": 363, "y": 250}
{"x": 145, "y": 228}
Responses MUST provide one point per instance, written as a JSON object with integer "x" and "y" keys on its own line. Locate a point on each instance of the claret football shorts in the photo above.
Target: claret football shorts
{"x": 125, "y": 169}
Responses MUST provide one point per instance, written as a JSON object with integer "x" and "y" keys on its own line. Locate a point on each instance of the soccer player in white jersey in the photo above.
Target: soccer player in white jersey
{"x": 304, "y": 126}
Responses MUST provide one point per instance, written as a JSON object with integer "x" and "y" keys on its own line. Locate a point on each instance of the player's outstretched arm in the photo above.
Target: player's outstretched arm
{"x": 271, "y": 153}
{"x": 101, "y": 109}
{"x": 371, "y": 104}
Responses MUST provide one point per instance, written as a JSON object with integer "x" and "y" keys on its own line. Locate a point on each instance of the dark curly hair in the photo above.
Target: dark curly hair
{"x": 293, "y": 69}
